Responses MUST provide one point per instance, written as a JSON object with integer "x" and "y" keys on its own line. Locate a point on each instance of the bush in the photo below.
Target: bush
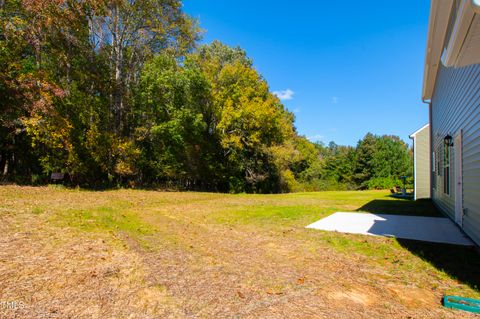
{"x": 383, "y": 183}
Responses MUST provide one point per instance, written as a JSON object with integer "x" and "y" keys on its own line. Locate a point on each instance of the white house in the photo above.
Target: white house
{"x": 451, "y": 87}
{"x": 421, "y": 162}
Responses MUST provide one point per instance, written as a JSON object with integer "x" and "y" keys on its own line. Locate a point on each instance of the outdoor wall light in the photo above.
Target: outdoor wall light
{"x": 448, "y": 140}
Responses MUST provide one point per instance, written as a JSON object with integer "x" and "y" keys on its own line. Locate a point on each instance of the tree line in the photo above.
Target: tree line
{"x": 118, "y": 93}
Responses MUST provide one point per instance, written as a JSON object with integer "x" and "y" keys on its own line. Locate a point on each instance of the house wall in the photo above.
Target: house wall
{"x": 421, "y": 153}
{"x": 456, "y": 108}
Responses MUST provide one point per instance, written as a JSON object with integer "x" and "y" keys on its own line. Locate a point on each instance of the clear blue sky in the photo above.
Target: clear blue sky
{"x": 354, "y": 66}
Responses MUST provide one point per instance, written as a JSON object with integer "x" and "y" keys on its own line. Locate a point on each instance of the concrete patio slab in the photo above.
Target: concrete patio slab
{"x": 431, "y": 229}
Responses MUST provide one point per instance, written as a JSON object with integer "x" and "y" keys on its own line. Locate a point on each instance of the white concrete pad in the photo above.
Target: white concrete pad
{"x": 432, "y": 229}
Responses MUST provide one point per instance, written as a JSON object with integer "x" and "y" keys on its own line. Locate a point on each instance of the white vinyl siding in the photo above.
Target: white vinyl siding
{"x": 421, "y": 152}
{"x": 455, "y": 107}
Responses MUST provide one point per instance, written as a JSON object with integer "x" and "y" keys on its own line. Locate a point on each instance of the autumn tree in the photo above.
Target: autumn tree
{"x": 115, "y": 92}
{"x": 79, "y": 64}
{"x": 131, "y": 32}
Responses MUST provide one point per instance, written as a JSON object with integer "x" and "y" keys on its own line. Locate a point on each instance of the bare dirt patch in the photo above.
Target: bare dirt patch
{"x": 355, "y": 296}
{"x": 55, "y": 273}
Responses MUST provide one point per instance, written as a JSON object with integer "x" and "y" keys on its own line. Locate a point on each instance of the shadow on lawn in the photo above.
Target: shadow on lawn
{"x": 460, "y": 262}
{"x": 422, "y": 207}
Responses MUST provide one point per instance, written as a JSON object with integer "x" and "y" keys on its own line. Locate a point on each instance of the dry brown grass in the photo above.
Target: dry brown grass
{"x": 145, "y": 254}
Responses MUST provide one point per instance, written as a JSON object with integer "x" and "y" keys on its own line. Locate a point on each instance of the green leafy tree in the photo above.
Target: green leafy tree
{"x": 170, "y": 125}
{"x": 381, "y": 161}
{"x": 246, "y": 117}
{"x": 116, "y": 93}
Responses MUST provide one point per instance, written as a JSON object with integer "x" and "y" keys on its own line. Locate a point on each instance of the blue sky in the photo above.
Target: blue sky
{"x": 350, "y": 67}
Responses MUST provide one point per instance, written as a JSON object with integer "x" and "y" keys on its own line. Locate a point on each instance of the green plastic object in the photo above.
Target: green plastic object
{"x": 467, "y": 304}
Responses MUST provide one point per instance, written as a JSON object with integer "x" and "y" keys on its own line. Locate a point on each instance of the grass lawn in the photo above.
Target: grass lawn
{"x": 147, "y": 254}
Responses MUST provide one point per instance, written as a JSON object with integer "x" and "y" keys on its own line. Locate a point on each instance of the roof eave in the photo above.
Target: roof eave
{"x": 440, "y": 11}
{"x": 419, "y": 130}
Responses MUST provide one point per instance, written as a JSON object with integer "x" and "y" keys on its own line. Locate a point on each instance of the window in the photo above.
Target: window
{"x": 446, "y": 169}
{"x": 434, "y": 170}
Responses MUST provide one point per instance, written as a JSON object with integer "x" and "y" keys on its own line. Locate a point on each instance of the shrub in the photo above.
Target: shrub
{"x": 383, "y": 183}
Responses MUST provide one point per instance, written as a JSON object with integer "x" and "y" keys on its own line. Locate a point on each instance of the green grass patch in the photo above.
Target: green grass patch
{"x": 37, "y": 210}
{"x": 104, "y": 219}
{"x": 196, "y": 222}
{"x": 358, "y": 244}
{"x": 268, "y": 215}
